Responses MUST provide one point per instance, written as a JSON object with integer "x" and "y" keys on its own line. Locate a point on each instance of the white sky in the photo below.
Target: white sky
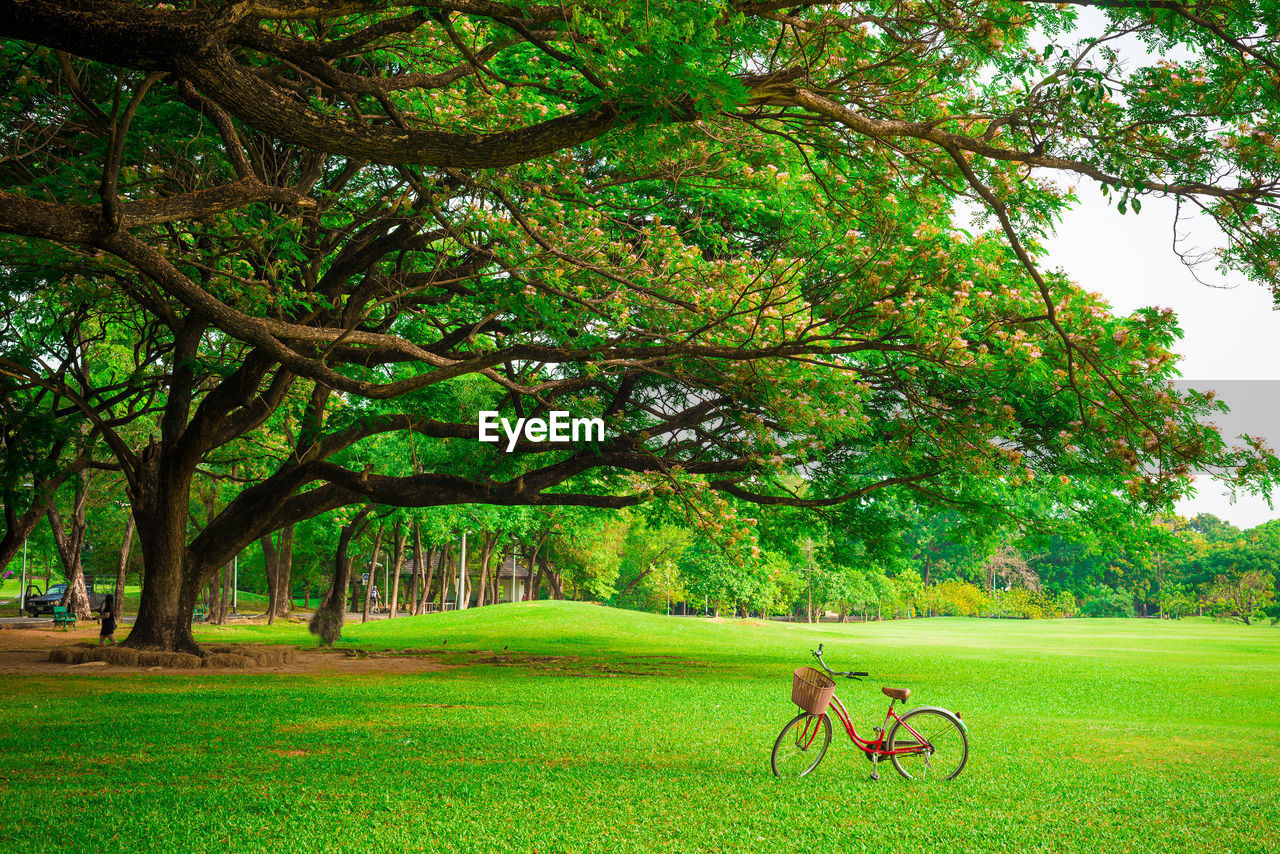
{"x": 1231, "y": 331}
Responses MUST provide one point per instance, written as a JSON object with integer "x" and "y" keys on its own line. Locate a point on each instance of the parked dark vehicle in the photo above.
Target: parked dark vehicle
{"x": 44, "y": 603}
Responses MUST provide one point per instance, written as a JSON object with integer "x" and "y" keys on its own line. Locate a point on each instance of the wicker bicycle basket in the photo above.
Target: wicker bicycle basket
{"x": 811, "y": 690}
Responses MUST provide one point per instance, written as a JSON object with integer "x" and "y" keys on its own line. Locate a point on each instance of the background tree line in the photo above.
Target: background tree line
{"x": 902, "y": 560}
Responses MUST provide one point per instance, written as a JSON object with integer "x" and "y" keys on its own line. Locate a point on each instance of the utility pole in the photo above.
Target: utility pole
{"x": 235, "y": 580}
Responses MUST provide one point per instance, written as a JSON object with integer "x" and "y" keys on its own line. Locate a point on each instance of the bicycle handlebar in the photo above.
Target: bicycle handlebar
{"x": 849, "y": 674}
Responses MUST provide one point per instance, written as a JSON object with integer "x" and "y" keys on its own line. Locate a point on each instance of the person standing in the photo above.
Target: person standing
{"x": 108, "y": 614}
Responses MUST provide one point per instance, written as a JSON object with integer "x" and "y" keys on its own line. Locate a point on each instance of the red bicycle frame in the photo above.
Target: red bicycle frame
{"x": 871, "y": 748}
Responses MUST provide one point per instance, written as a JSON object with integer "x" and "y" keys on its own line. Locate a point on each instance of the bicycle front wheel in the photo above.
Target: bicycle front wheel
{"x": 801, "y": 745}
{"x": 942, "y": 753}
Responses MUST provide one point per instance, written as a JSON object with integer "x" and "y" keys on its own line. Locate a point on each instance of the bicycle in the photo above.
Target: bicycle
{"x": 927, "y": 743}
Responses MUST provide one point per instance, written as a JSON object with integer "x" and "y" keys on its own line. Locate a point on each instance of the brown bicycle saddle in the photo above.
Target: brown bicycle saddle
{"x": 897, "y": 693}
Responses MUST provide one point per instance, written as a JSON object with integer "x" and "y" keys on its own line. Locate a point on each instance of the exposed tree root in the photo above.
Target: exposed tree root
{"x": 221, "y": 656}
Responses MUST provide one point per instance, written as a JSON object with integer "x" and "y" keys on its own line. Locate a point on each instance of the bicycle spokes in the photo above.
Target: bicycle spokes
{"x": 801, "y": 745}
{"x": 928, "y": 745}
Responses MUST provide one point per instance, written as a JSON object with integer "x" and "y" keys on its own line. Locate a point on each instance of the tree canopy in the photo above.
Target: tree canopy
{"x": 308, "y": 241}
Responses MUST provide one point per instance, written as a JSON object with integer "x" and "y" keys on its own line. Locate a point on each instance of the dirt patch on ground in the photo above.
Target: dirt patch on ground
{"x": 46, "y": 651}
{"x": 234, "y": 656}
{"x": 29, "y": 652}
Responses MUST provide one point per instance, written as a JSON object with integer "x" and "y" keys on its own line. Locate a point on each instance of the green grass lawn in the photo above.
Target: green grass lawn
{"x": 653, "y": 734}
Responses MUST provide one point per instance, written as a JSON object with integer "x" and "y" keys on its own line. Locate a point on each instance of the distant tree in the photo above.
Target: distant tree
{"x": 1007, "y": 569}
{"x": 1213, "y": 529}
{"x": 1242, "y": 596}
{"x": 736, "y": 581}
{"x": 648, "y": 574}
{"x": 1176, "y": 601}
{"x": 1103, "y": 601}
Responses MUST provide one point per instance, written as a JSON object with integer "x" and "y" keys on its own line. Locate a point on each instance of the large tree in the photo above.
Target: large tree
{"x": 730, "y": 229}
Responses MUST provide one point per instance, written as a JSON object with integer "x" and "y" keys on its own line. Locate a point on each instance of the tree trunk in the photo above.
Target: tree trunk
{"x": 271, "y": 568}
{"x": 397, "y": 560}
{"x": 214, "y": 595}
{"x": 168, "y": 596}
{"x": 18, "y": 529}
{"x": 536, "y": 578}
{"x": 328, "y": 618}
{"x": 545, "y": 571}
{"x": 496, "y": 590}
{"x": 429, "y": 559}
{"x": 418, "y": 593}
{"x": 122, "y": 568}
{"x": 43, "y": 491}
{"x": 433, "y": 557}
{"x": 446, "y": 575}
{"x": 487, "y": 543}
{"x": 284, "y": 572}
{"x": 373, "y": 573}
{"x": 228, "y": 590}
{"x": 422, "y": 573}
{"x": 217, "y": 596}
{"x": 218, "y": 615}
{"x": 70, "y": 545}
{"x": 513, "y": 555}
{"x": 633, "y": 582}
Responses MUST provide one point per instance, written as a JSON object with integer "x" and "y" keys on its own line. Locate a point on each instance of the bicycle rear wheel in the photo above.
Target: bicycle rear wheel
{"x": 801, "y": 745}
{"x": 946, "y": 750}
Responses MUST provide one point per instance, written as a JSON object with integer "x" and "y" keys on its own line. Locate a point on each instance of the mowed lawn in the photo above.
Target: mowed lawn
{"x": 632, "y": 732}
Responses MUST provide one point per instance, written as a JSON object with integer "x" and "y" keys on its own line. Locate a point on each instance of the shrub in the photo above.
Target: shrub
{"x": 1104, "y": 602}
{"x": 1020, "y": 603}
{"x": 957, "y": 599}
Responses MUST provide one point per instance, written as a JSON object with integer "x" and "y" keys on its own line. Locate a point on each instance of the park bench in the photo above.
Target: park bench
{"x": 197, "y": 614}
{"x": 63, "y": 617}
